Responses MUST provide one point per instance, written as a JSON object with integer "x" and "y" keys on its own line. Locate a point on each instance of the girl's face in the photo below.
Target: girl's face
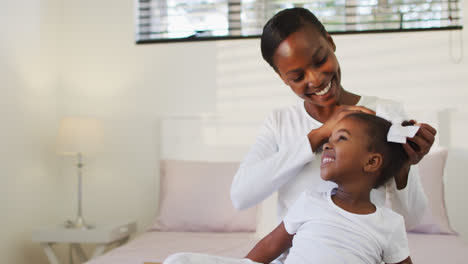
{"x": 345, "y": 154}
{"x": 306, "y": 62}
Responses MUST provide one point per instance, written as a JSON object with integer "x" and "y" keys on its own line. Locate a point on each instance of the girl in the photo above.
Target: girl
{"x": 341, "y": 224}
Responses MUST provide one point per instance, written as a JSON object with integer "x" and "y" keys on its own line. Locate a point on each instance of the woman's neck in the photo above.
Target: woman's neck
{"x": 354, "y": 200}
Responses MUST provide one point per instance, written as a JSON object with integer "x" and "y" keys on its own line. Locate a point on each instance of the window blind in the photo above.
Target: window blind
{"x": 178, "y": 20}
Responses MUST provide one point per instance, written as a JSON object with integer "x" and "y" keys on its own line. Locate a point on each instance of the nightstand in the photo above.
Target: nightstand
{"x": 103, "y": 236}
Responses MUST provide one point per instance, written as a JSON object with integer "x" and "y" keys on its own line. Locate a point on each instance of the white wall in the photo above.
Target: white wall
{"x": 28, "y": 110}
{"x": 68, "y": 57}
{"x": 127, "y": 86}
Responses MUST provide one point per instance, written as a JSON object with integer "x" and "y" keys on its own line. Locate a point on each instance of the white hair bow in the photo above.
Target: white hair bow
{"x": 397, "y": 133}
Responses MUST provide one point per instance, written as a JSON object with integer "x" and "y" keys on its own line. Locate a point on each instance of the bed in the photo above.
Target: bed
{"x": 203, "y": 147}
{"x": 154, "y": 247}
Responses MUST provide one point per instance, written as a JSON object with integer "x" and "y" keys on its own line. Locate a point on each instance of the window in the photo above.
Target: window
{"x": 177, "y": 20}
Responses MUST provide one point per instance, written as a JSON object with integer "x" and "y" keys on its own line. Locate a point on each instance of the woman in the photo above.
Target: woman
{"x": 284, "y": 157}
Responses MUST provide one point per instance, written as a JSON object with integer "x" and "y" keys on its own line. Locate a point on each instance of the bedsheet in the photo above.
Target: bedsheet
{"x": 425, "y": 248}
{"x": 156, "y": 246}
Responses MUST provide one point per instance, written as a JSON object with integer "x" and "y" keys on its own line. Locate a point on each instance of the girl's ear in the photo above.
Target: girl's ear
{"x": 373, "y": 163}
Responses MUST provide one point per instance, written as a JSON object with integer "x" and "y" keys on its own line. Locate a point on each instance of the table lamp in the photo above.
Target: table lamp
{"x": 78, "y": 137}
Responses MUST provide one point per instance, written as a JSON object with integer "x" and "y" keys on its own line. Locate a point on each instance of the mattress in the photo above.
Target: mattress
{"x": 156, "y": 246}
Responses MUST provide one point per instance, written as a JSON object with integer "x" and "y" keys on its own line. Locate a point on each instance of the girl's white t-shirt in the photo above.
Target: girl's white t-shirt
{"x": 325, "y": 233}
{"x": 281, "y": 160}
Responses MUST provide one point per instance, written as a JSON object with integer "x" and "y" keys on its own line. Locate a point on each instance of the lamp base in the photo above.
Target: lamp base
{"x": 79, "y": 223}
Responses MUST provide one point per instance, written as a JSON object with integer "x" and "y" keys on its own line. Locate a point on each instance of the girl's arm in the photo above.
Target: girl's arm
{"x": 406, "y": 261}
{"x": 271, "y": 246}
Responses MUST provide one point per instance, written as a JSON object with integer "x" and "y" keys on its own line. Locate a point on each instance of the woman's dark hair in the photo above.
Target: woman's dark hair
{"x": 394, "y": 155}
{"x": 283, "y": 24}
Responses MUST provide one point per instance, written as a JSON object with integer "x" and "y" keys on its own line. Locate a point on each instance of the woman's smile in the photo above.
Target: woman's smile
{"x": 323, "y": 92}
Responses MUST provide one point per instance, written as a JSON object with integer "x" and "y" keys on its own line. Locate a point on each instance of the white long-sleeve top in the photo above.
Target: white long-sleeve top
{"x": 281, "y": 159}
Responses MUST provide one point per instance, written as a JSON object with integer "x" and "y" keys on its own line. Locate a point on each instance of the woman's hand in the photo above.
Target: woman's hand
{"x": 416, "y": 149}
{"x": 341, "y": 112}
{"x": 318, "y": 136}
{"x": 423, "y": 139}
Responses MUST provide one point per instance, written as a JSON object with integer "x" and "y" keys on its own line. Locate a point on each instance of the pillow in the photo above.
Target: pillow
{"x": 431, "y": 169}
{"x": 195, "y": 196}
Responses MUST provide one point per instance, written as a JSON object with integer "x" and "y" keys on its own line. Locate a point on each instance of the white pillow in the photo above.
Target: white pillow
{"x": 194, "y": 196}
{"x": 431, "y": 169}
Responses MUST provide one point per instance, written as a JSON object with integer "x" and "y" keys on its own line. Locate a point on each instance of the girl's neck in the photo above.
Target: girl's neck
{"x": 354, "y": 201}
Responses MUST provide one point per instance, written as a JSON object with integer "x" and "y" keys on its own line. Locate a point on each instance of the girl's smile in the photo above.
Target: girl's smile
{"x": 327, "y": 158}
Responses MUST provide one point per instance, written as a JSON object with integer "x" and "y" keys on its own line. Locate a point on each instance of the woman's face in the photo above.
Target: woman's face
{"x": 306, "y": 62}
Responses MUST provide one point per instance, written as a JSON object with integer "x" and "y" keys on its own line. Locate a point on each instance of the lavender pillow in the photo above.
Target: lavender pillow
{"x": 431, "y": 169}
{"x": 194, "y": 196}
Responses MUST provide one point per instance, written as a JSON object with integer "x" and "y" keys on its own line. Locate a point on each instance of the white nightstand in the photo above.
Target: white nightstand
{"x": 103, "y": 236}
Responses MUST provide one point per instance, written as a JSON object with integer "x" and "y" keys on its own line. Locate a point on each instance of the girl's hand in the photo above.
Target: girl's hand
{"x": 423, "y": 139}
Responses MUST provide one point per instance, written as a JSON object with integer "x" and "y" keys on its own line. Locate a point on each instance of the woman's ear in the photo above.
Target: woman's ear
{"x": 285, "y": 81}
{"x": 332, "y": 43}
{"x": 373, "y": 162}
{"x": 283, "y": 78}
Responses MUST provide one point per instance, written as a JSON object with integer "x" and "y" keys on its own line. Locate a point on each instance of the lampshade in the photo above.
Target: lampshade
{"x": 79, "y": 135}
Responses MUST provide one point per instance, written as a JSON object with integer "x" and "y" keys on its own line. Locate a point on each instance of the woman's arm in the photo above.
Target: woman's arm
{"x": 406, "y": 261}
{"x": 410, "y": 202}
{"x": 271, "y": 246}
{"x": 406, "y": 193}
{"x": 266, "y": 168}
{"x": 409, "y": 198}
{"x": 423, "y": 140}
